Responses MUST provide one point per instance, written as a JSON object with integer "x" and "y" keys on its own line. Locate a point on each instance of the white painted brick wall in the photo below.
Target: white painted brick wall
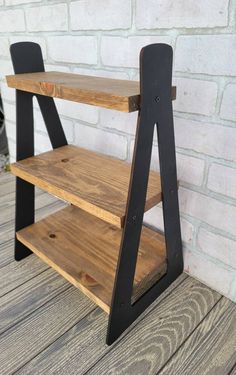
{"x": 209, "y": 54}
{"x": 101, "y": 15}
{"x": 103, "y": 38}
{"x": 221, "y": 179}
{"x": 157, "y": 14}
{"x": 228, "y": 105}
{"x": 47, "y": 18}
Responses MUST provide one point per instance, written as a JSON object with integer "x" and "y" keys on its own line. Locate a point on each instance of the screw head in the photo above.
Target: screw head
{"x": 157, "y": 99}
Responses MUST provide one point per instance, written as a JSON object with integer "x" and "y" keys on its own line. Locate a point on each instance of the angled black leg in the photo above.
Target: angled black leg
{"x": 156, "y": 109}
{"x": 24, "y": 148}
{"x": 27, "y": 58}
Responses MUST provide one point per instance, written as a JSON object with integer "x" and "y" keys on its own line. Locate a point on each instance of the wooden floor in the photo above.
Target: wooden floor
{"x": 48, "y": 326}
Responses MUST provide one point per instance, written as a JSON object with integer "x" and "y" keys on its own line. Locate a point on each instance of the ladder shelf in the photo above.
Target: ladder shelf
{"x": 98, "y": 242}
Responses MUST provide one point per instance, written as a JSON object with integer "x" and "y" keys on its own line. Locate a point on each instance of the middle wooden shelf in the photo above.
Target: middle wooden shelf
{"x": 96, "y": 183}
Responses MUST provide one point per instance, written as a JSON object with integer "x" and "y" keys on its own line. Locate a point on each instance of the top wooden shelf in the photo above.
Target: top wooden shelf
{"x": 109, "y": 93}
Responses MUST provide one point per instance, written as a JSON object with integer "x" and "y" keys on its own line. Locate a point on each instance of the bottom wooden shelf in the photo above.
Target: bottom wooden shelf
{"x": 84, "y": 249}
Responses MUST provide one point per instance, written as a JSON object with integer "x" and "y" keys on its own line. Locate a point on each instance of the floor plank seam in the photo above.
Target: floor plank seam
{"x": 41, "y": 351}
{"x": 24, "y": 281}
{"x": 232, "y": 369}
{"x": 192, "y": 332}
{"x": 131, "y": 328}
{"x": 32, "y": 312}
{"x": 39, "y": 307}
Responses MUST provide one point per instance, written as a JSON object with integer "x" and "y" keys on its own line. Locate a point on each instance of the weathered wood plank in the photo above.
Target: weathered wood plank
{"x": 6, "y": 252}
{"x": 27, "y": 338}
{"x": 20, "y": 302}
{"x": 154, "y": 341}
{"x": 104, "y": 92}
{"x": 15, "y": 274}
{"x": 211, "y": 349}
{"x": 233, "y": 370}
{"x": 8, "y": 210}
{"x": 84, "y": 344}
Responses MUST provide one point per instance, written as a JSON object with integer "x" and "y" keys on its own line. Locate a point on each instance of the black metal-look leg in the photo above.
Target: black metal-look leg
{"x": 24, "y": 148}
{"x": 156, "y": 109}
{"x": 27, "y": 58}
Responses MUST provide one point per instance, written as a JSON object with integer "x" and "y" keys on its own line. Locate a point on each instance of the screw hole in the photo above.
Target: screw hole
{"x": 52, "y": 235}
{"x": 64, "y": 160}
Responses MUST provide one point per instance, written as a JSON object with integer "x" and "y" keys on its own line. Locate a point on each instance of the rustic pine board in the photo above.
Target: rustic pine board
{"x": 77, "y": 244}
{"x": 207, "y": 350}
{"x": 109, "y": 93}
{"x": 96, "y": 183}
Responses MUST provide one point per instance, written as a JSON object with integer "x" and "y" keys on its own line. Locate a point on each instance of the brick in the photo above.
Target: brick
{"x": 124, "y": 122}
{"x": 47, "y": 18}
{"x": 212, "y": 244}
{"x": 9, "y": 111}
{"x": 183, "y": 13}
{"x": 16, "y": 2}
{"x": 38, "y": 40}
{"x": 7, "y": 93}
{"x": 58, "y": 68}
{"x": 12, "y": 20}
{"x": 211, "y": 139}
{"x": 209, "y": 210}
{"x": 189, "y": 169}
{"x": 154, "y": 218}
{"x": 42, "y": 143}
{"x": 102, "y": 73}
{"x": 41, "y": 128}
{"x": 100, "y": 15}
{"x": 124, "y": 52}
{"x": 101, "y": 141}
{"x": 73, "y": 49}
{"x": 6, "y": 68}
{"x": 222, "y": 179}
{"x": 12, "y": 150}
{"x": 10, "y": 130}
{"x": 195, "y": 96}
{"x": 208, "y": 272}
{"x": 209, "y": 54}
{"x": 4, "y": 47}
{"x": 78, "y": 111}
{"x": 228, "y": 105}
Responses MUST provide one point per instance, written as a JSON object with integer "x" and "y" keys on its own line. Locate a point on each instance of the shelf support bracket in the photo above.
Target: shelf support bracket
{"x": 27, "y": 58}
{"x": 155, "y": 113}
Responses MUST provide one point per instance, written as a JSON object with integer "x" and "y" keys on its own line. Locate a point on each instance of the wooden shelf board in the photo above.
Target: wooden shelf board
{"x": 96, "y": 183}
{"x": 109, "y": 93}
{"x": 84, "y": 249}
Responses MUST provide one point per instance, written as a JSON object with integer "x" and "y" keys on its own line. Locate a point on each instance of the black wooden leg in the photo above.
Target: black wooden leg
{"x": 24, "y": 148}
{"x": 156, "y": 109}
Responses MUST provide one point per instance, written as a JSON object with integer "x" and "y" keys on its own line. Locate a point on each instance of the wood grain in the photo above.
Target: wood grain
{"x": 23, "y": 300}
{"x": 36, "y": 332}
{"x": 16, "y": 273}
{"x": 96, "y": 183}
{"x": 142, "y": 351}
{"x": 150, "y": 344}
{"x": 76, "y": 243}
{"x": 211, "y": 349}
{"x": 83, "y": 343}
{"x": 103, "y": 92}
